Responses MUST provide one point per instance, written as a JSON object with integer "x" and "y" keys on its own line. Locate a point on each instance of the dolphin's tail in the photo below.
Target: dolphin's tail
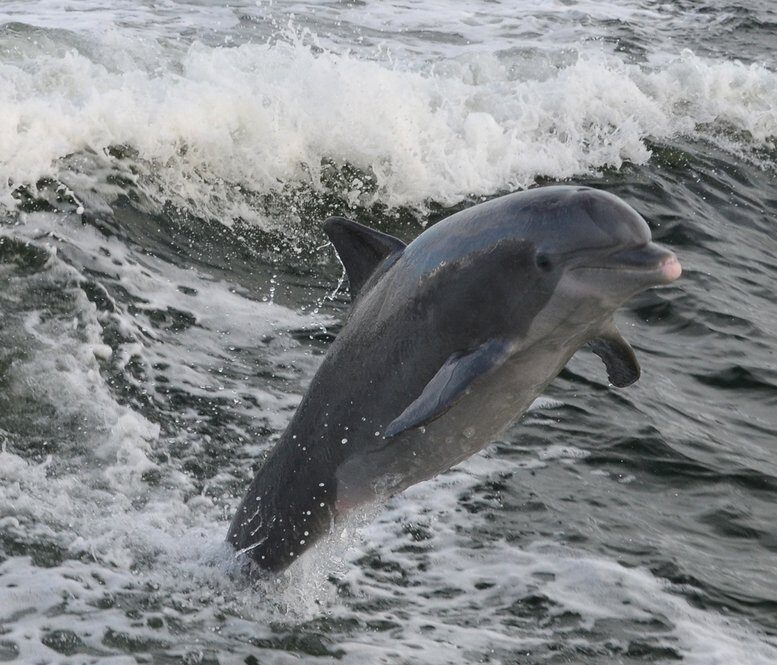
{"x": 280, "y": 517}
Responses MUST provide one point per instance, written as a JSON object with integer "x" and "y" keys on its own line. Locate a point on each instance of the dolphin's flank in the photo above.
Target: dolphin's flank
{"x": 449, "y": 340}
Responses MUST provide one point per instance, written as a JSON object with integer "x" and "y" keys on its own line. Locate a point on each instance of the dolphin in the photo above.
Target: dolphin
{"x": 449, "y": 340}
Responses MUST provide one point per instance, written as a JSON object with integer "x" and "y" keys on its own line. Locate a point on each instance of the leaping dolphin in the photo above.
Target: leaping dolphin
{"x": 449, "y": 340}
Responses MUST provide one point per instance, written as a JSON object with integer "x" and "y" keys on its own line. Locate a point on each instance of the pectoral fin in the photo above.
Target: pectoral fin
{"x": 618, "y": 356}
{"x": 452, "y": 381}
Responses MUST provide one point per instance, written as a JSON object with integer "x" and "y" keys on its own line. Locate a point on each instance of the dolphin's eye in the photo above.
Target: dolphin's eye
{"x": 543, "y": 262}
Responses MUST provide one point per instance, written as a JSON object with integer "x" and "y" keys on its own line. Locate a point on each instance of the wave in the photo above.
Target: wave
{"x": 210, "y": 128}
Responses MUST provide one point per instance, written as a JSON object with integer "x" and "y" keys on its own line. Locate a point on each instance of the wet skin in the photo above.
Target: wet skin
{"x": 449, "y": 340}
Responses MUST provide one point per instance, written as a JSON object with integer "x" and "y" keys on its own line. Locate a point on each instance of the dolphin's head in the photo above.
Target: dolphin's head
{"x": 557, "y": 260}
{"x": 595, "y": 247}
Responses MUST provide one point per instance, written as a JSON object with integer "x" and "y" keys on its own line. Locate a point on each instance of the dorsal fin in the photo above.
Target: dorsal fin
{"x": 360, "y": 248}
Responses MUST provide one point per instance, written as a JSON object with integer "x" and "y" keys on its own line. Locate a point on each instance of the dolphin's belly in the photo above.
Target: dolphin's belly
{"x": 475, "y": 421}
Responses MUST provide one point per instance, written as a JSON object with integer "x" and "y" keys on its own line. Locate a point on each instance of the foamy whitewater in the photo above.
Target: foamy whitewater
{"x": 166, "y": 295}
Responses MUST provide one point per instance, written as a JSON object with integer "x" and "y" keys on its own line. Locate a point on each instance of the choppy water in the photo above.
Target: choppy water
{"x": 166, "y": 295}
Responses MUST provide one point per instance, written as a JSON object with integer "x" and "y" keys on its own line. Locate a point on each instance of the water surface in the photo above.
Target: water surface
{"x": 166, "y": 294}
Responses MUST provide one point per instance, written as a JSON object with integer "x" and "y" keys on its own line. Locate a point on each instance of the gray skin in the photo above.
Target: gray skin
{"x": 449, "y": 340}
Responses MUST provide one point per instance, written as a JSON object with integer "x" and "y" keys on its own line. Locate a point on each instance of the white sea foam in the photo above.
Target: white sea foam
{"x": 211, "y": 123}
{"x": 90, "y": 504}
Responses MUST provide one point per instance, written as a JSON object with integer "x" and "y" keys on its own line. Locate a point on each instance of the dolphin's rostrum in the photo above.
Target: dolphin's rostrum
{"x": 449, "y": 340}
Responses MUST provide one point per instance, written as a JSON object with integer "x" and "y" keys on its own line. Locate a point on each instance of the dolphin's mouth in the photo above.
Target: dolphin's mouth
{"x": 650, "y": 262}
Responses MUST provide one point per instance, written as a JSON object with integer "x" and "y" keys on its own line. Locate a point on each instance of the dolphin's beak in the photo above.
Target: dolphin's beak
{"x": 653, "y": 262}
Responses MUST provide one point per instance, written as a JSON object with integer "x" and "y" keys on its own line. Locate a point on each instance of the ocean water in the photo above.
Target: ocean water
{"x": 166, "y": 294}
